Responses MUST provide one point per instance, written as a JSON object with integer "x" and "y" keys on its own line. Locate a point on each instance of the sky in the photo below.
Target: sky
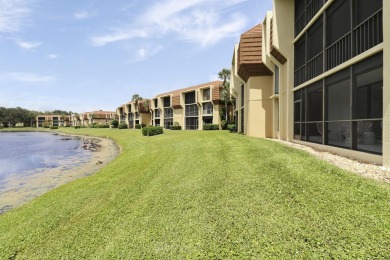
{"x": 87, "y": 55}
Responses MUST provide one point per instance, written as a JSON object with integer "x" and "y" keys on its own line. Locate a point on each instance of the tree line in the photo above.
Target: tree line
{"x": 10, "y": 117}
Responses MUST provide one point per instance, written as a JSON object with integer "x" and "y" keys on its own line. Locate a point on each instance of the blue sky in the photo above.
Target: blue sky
{"x": 85, "y": 55}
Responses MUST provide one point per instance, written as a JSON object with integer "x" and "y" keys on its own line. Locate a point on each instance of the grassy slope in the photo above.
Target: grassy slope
{"x": 192, "y": 194}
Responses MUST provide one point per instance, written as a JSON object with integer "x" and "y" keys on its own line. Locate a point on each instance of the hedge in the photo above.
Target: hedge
{"x": 152, "y": 130}
{"x": 103, "y": 126}
{"x": 211, "y": 127}
{"x": 231, "y": 127}
{"x": 122, "y": 126}
{"x": 175, "y": 127}
{"x": 54, "y": 127}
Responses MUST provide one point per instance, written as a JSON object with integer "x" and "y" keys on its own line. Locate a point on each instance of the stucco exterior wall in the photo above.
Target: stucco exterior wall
{"x": 259, "y": 107}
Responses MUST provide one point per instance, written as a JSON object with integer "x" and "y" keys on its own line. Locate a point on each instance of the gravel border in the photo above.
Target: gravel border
{"x": 364, "y": 169}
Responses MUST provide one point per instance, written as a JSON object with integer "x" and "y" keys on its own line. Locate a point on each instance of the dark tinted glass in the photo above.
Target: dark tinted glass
{"x": 338, "y": 20}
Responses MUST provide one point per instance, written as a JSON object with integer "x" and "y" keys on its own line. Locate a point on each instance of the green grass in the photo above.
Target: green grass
{"x": 203, "y": 194}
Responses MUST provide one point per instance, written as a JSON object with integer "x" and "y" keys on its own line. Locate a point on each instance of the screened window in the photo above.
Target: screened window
{"x": 168, "y": 123}
{"x": 168, "y": 112}
{"x": 206, "y": 94}
{"x": 157, "y": 113}
{"x": 192, "y": 110}
{"x": 207, "y": 108}
{"x": 155, "y": 102}
{"x": 167, "y": 101}
{"x": 192, "y": 123}
{"x": 207, "y": 120}
{"x": 190, "y": 98}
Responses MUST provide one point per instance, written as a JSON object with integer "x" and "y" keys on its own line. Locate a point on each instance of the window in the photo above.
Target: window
{"x": 346, "y": 29}
{"x": 155, "y": 102}
{"x": 207, "y": 108}
{"x": 190, "y": 98}
{"x": 276, "y": 80}
{"x": 242, "y": 112}
{"x": 206, "y": 94}
{"x": 157, "y": 113}
{"x": 207, "y": 120}
{"x": 168, "y": 112}
{"x": 191, "y": 123}
{"x": 344, "y": 109}
{"x": 167, "y": 101}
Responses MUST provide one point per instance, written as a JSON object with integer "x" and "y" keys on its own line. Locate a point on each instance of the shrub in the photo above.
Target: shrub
{"x": 224, "y": 124}
{"x": 152, "y": 130}
{"x": 138, "y": 126}
{"x": 231, "y": 127}
{"x": 210, "y": 127}
{"x": 54, "y": 127}
{"x": 103, "y": 126}
{"x": 122, "y": 125}
{"x": 77, "y": 127}
{"x": 175, "y": 127}
{"x": 115, "y": 123}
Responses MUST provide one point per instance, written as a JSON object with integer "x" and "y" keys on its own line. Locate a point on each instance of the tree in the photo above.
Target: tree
{"x": 136, "y": 98}
{"x": 224, "y": 75}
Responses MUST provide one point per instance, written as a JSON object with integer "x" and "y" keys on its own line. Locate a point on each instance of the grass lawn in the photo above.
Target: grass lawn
{"x": 203, "y": 194}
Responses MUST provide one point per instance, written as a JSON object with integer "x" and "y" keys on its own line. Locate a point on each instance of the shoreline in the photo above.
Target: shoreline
{"x": 22, "y": 188}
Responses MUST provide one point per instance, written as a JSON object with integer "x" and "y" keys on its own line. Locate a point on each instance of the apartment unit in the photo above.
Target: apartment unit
{"x": 99, "y": 117}
{"x": 52, "y": 120}
{"x": 135, "y": 113}
{"x": 312, "y": 73}
{"x": 190, "y": 107}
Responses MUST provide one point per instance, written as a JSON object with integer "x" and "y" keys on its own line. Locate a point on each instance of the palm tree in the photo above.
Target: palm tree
{"x": 136, "y": 98}
{"x": 224, "y": 75}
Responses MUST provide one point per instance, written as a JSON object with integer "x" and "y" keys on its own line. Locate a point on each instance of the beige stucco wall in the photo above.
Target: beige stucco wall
{"x": 386, "y": 83}
{"x": 258, "y": 107}
{"x": 283, "y": 35}
{"x": 178, "y": 116}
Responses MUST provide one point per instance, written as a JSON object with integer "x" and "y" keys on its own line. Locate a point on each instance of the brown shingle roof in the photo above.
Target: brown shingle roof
{"x": 250, "y": 62}
{"x": 216, "y": 83}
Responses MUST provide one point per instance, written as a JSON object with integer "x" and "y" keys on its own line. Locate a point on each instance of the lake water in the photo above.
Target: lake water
{"x": 31, "y": 152}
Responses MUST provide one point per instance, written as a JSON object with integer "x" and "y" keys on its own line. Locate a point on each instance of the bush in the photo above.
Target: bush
{"x": 211, "y": 127}
{"x": 54, "y": 127}
{"x": 138, "y": 126}
{"x": 122, "y": 125}
{"x": 77, "y": 127}
{"x": 175, "y": 127}
{"x": 103, "y": 126}
{"x": 152, "y": 130}
{"x": 115, "y": 123}
{"x": 231, "y": 127}
{"x": 224, "y": 124}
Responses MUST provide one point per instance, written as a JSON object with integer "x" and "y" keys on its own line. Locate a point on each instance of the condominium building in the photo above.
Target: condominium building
{"x": 52, "y": 120}
{"x": 190, "y": 107}
{"x": 98, "y": 117}
{"x": 312, "y": 73}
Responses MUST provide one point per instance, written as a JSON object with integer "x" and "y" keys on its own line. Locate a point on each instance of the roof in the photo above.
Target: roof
{"x": 250, "y": 62}
{"x": 216, "y": 83}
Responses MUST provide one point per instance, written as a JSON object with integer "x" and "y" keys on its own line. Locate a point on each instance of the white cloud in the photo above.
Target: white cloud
{"x": 26, "y": 77}
{"x": 118, "y": 35}
{"x": 82, "y": 14}
{"x": 13, "y": 15}
{"x": 28, "y": 45}
{"x": 146, "y": 52}
{"x": 52, "y": 56}
{"x": 198, "y": 21}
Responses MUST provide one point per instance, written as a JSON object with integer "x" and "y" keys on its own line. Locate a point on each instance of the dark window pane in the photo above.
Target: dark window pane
{"x": 339, "y": 134}
{"x": 314, "y": 102}
{"x": 190, "y": 98}
{"x": 299, "y": 58}
{"x": 168, "y": 123}
{"x": 242, "y": 95}
{"x": 242, "y": 120}
{"x": 369, "y": 136}
{"x": 369, "y": 94}
{"x": 297, "y": 131}
{"x": 338, "y": 21}
{"x": 207, "y": 120}
{"x": 366, "y": 8}
{"x": 167, "y": 101}
{"x": 315, "y": 39}
{"x": 338, "y": 102}
{"x": 314, "y": 132}
{"x": 192, "y": 123}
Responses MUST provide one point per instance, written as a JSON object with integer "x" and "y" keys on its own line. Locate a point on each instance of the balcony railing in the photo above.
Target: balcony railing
{"x": 369, "y": 33}
{"x": 315, "y": 66}
{"x": 299, "y": 75}
{"x": 338, "y": 52}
